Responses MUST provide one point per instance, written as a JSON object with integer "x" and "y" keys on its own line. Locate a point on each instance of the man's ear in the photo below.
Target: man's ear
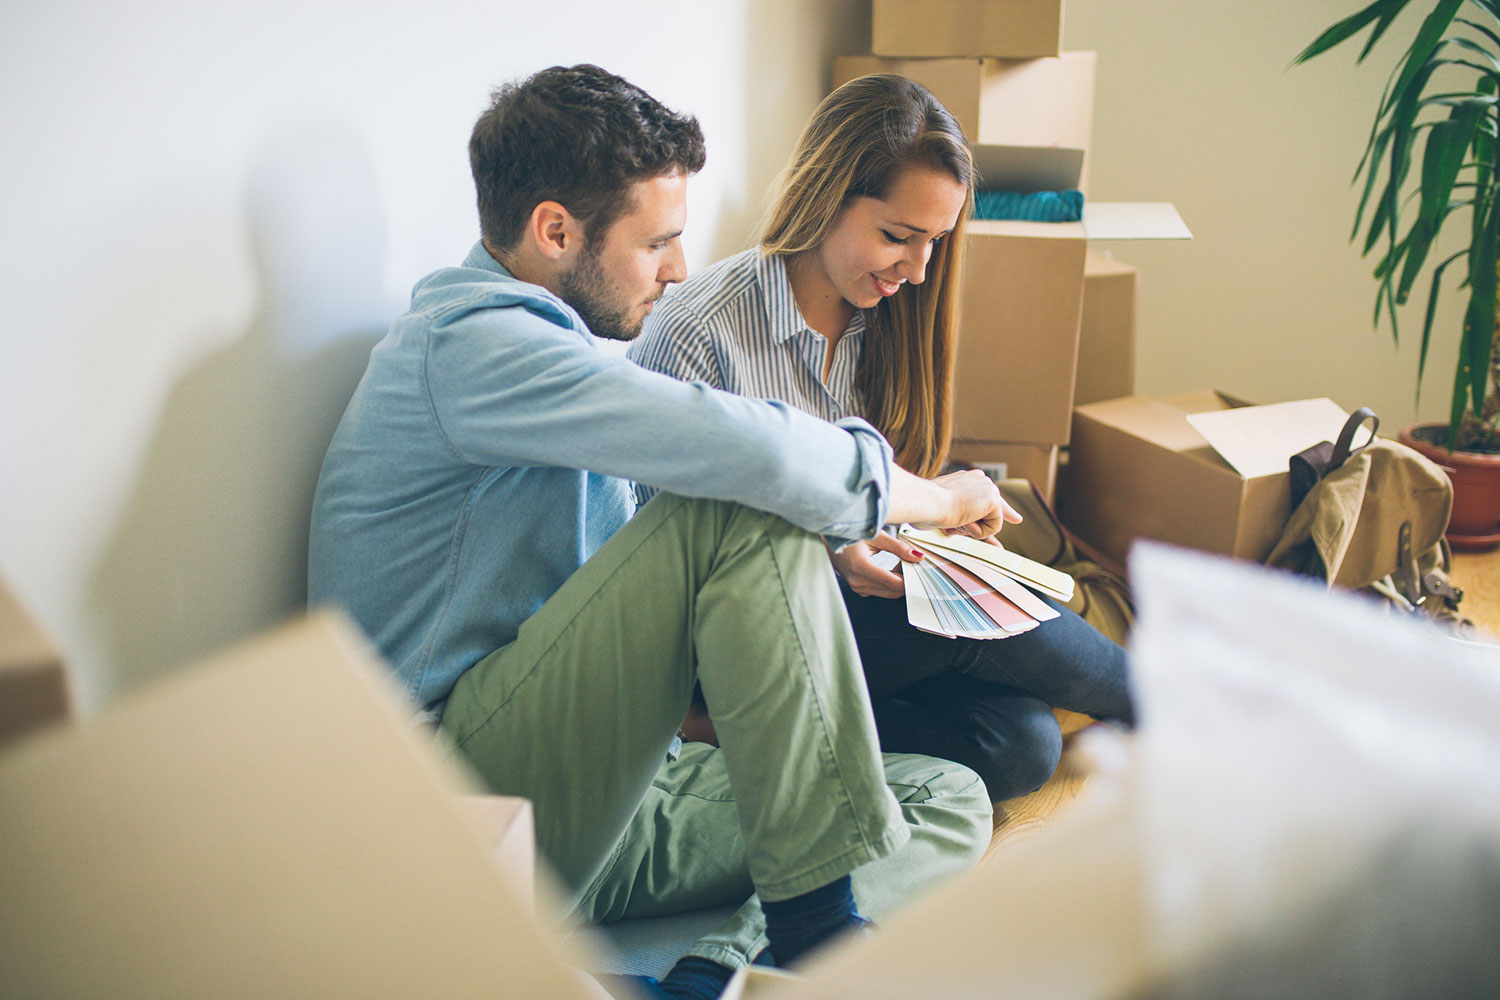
{"x": 554, "y": 231}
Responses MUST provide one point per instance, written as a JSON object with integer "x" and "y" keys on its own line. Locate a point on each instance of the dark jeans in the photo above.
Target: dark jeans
{"x": 986, "y": 703}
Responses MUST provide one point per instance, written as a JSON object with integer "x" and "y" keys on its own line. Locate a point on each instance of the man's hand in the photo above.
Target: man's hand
{"x": 979, "y": 499}
{"x": 965, "y": 502}
{"x": 855, "y": 563}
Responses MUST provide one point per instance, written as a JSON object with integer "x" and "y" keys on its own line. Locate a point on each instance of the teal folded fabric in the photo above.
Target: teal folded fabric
{"x": 1043, "y": 206}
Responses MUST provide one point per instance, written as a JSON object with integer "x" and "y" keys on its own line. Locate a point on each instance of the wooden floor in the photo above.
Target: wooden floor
{"x": 1477, "y": 574}
{"x": 1016, "y": 818}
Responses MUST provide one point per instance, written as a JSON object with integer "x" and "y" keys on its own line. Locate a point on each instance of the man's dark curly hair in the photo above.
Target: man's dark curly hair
{"x": 577, "y": 135}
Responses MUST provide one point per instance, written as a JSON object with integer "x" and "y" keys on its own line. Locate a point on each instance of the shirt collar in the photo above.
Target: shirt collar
{"x": 781, "y": 305}
{"x": 480, "y": 257}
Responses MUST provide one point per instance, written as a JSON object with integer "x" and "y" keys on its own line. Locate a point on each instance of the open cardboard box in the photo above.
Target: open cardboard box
{"x": 1010, "y": 29}
{"x": 1023, "y": 299}
{"x": 1138, "y": 467}
{"x": 266, "y": 824}
{"x": 1012, "y": 102}
{"x": 34, "y": 688}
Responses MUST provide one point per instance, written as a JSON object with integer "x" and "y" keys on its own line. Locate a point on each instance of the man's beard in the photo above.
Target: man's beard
{"x": 584, "y": 288}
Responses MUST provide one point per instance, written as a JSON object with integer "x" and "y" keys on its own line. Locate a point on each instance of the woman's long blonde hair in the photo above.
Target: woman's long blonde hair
{"x": 856, "y": 145}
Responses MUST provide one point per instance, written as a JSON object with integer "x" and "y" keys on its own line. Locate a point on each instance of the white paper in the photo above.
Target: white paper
{"x": 1309, "y": 808}
{"x": 1133, "y": 220}
{"x": 1259, "y": 440}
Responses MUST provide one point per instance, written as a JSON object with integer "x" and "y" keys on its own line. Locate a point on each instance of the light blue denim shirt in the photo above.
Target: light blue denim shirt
{"x": 487, "y": 453}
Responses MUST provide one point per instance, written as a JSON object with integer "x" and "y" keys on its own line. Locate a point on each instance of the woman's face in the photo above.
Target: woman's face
{"x": 879, "y": 244}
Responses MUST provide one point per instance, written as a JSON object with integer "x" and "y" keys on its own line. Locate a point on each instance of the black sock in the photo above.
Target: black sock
{"x": 796, "y": 926}
{"x": 694, "y": 978}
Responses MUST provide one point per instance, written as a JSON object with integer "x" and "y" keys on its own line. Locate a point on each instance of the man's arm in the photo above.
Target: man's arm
{"x": 508, "y": 387}
{"x": 968, "y": 502}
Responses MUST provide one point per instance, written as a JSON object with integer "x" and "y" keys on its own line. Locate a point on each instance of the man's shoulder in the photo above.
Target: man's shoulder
{"x": 451, "y": 294}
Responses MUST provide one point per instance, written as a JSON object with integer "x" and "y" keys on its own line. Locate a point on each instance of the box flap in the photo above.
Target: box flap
{"x": 1204, "y": 400}
{"x": 1133, "y": 220}
{"x": 1159, "y": 421}
{"x": 1258, "y": 440}
{"x": 1028, "y": 169}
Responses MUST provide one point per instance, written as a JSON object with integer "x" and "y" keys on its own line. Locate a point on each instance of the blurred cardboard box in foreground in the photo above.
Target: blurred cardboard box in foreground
{"x": 266, "y": 824}
{"x": 34, "y": 687}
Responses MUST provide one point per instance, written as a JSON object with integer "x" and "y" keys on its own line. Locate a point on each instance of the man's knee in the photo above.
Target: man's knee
{"x": 921, "y": 783}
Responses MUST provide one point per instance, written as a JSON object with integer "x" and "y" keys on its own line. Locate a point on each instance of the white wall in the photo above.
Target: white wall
{"x": 211, "y": 210}
{"x": 1195, "y": 104}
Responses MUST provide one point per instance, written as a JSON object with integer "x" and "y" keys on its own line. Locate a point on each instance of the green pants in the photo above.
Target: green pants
{"x": 578, "y": 712}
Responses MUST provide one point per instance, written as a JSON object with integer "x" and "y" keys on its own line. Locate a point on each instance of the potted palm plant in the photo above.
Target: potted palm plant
{"x": 1429, "y": 170}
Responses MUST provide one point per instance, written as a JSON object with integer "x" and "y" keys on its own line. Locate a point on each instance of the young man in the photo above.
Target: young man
{"x": 475, "y": 515}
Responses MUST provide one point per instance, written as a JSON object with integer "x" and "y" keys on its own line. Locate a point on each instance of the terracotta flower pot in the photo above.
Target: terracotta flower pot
{"x": 1475, "y": 523}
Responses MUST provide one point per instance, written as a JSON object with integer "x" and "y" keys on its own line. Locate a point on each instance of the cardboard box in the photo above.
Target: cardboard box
{"x": 1138, "y": 468}
{"x": 1106, "y": 334}
{"x": 1020, "y": 313}
{"x": 1009, "y": 102}
{"x": 34, "y": 688}
{"x": 508, "y": 827}
{"x": 266, "y": 824}
{"x": 1018, "y": 332}
{"x": 752, "y": 981}
{"x": 1013, "y": 29}
{"x": 1013, "y": 460}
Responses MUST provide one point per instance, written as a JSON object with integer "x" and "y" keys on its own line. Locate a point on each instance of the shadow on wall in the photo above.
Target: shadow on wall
{"x": 213, "y": 542}
{"x": 779, "y": 66}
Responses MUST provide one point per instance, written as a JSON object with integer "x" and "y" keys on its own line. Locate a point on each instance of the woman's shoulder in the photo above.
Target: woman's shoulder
{"x": 718, "y": 290}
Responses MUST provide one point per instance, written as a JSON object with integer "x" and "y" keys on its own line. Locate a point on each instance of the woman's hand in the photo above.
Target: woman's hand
{"x": 856, "y": 564}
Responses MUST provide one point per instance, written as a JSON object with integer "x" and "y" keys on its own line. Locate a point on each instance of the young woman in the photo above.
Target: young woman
{"x": 848, "y": 308}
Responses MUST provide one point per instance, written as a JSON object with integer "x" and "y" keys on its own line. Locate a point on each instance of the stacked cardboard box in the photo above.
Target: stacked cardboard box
{"x": 1033, "y": 308}
{"x": 34, "y": 689}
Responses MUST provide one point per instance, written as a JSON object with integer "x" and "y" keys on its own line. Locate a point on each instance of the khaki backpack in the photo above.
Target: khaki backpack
{"x": 1372, "y": 520}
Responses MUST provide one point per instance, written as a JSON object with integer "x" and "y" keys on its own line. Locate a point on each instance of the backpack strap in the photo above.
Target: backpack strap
{"x": 1341, "y": 450}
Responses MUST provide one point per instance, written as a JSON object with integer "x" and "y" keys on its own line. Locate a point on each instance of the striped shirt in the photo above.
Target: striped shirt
{"x": 735, "y": 325}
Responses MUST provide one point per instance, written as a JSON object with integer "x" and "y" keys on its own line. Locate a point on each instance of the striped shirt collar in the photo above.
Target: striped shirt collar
{"x": 782, "y": 314}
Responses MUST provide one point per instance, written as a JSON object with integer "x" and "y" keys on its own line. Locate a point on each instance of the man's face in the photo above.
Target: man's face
{"x": 619, "y": 275}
